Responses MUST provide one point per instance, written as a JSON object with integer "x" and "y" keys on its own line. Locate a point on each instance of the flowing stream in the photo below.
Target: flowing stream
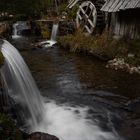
{"x": 78, "y": 98}
{"x": 18, "y": 27}
{"x": 19, "y": 84}
{"x": 52, "y": 41}
{"x": 45, "y": 115}
{"x": 15, "y": 31}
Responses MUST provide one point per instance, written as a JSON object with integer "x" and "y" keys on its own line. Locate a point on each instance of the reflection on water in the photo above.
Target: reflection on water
{"x": 72, "y": 80}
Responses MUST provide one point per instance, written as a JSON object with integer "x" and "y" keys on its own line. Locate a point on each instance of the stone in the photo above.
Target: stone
{"x": 139, "y": 68}
{"x": 130, "y": 55}
{"x": 63, "y": 17}
{"x": 41, "y": 136}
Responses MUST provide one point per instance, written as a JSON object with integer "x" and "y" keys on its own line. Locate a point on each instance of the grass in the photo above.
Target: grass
{"x": 103, "y": 46}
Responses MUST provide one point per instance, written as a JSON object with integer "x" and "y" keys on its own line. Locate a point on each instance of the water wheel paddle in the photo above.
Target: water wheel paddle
{"x": 72, "y": 3}
{"x": 89, "y": 16}
{"x": 86, "y": 17}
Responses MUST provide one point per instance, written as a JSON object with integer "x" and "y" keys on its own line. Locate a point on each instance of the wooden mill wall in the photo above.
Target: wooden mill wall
{"x": 125, "y": 23}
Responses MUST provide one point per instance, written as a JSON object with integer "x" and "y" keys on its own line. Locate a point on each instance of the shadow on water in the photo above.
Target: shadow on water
{"x": 112, "y": 98}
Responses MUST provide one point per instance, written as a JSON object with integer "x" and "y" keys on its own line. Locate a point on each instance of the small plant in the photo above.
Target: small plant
{"x": 71, "y": 13}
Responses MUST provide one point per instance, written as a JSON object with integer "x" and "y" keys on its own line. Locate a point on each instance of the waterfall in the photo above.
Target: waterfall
{"x": 48, "y": 117}
{"x": 20, "y": 85}
{"x": 52, "y": 41}
{"x": 18, "y": 29}
{"x": 54, "y": 32}
{"x": 15, "y": 31}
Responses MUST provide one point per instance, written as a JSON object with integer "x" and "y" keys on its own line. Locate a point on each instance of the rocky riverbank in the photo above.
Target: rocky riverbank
{"x": 120, "y": 64}
{"x": 5, "y": 29}
{"x": 10, "y": 131}
{"x": 118, "y": 54}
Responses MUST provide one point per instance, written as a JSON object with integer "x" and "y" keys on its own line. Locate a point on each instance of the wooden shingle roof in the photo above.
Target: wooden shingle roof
{"x": 117, "y": 5}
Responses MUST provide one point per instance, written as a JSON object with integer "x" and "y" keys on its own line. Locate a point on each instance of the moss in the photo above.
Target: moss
{"x": 45, "y": 33}
{"x": 8, "y": 130}
{"x": 44, "y": 29}
{"x": 71, "y": 13}
{"x": 1, "y": 59}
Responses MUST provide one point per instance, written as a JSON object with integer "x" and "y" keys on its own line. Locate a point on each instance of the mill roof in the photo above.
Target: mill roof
{"x": 117, "y": 5}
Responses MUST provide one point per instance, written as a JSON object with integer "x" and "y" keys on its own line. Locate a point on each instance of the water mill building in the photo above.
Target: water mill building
{"x": 123, "y": 19}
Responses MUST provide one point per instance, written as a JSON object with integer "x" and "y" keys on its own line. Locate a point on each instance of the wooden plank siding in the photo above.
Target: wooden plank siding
{"x": 124, "y": 19}
{"x": 117, "y": 5}
{"x": 126, "y": 24}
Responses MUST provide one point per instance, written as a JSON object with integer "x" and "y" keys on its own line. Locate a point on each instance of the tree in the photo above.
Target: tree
{"x": 27, "y": 7}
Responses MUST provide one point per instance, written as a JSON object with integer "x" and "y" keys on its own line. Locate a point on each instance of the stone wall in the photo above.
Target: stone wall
{"x": 5, "y": 30}
{"x": 65, "y": 27}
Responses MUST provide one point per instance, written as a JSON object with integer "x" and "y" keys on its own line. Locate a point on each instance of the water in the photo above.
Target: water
{"x": 71, "y": 123}
{"x": 54, "y": 32}
{"x": 19, "y": 84}
{"x": 18, "y": 27}
{"x": 15, "y": 31}
{"x": 52, "y": 41}
{"x": 44, "y": 114}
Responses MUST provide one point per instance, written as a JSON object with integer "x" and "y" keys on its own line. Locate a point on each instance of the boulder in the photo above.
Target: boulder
{"x": 42, "y": 136}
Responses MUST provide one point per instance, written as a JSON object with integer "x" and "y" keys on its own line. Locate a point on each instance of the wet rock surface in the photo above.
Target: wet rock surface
{"x": 5, "y": 30}
{"x": 120, "y": 64}
{"x": 9, "y": 130}
{"x": 42, "y": 136}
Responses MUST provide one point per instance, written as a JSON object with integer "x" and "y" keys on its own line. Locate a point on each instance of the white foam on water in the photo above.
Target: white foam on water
{"x": 52, "y": 41}
{"x": 47, "y": 44}
{"x": 71, "y": 123}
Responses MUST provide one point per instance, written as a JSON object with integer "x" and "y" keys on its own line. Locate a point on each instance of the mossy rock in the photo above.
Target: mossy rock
{"x": 1, "y": 59}
{"x": 8, "y": 130}
{"x": 45, "y": 34}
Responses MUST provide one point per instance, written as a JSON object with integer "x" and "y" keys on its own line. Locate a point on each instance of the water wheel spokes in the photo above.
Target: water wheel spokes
{"x": 86, "y": 17}
{"x": 72, "y": 3}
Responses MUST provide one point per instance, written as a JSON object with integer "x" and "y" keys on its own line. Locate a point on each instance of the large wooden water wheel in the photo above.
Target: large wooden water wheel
{"x": 86, "y": 17}
{"x": 89, "y": 16}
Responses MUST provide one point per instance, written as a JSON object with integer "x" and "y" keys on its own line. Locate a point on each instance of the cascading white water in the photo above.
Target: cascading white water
{"x": 52, "y": 41}
{"x": 19, "y": 83}
{"x": 54, "y": 32}
{"x": 62, "y": 121}
{"x": 18, "y": 27}
{"x": 15, "y": 31}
